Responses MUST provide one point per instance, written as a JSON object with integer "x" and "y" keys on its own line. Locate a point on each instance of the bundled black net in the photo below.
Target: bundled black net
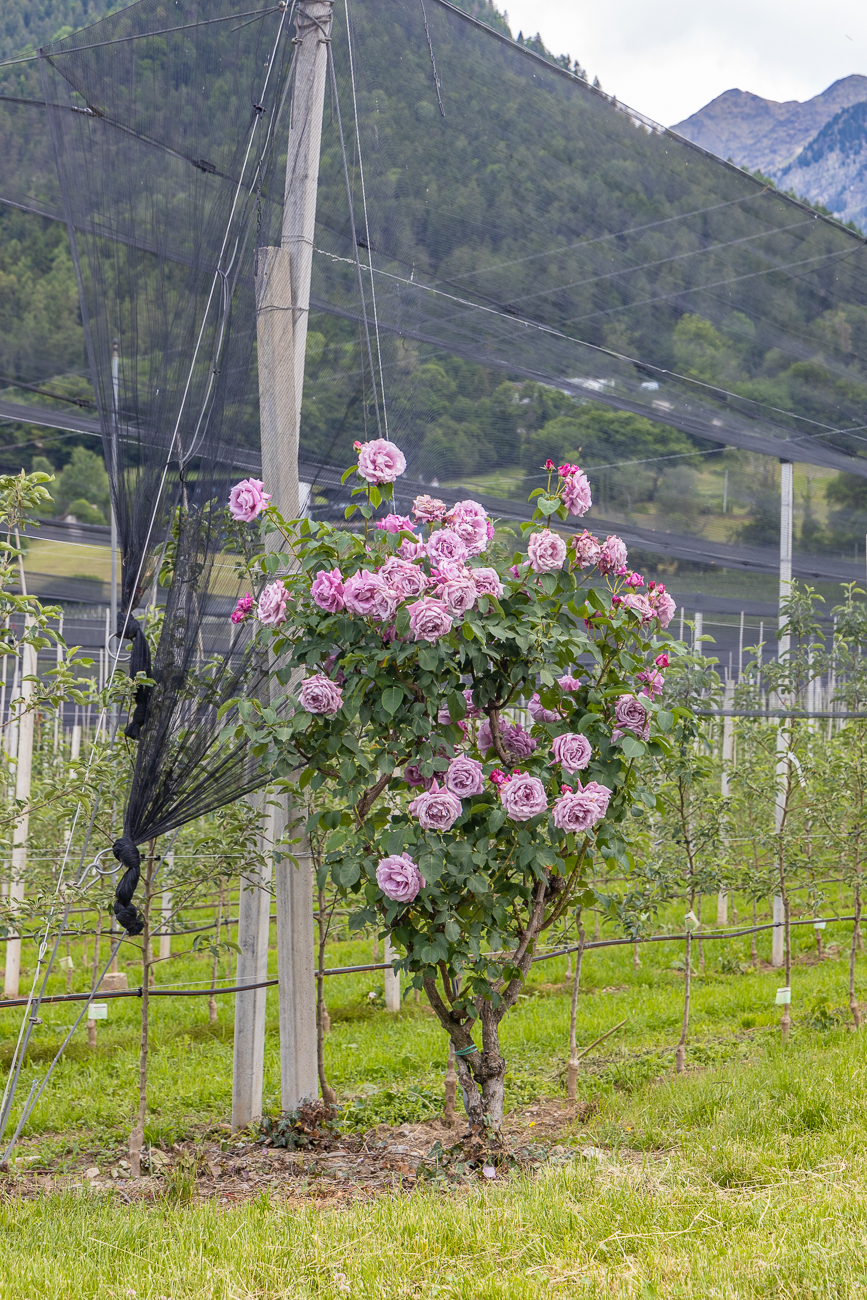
{"x": 163, "y": 122}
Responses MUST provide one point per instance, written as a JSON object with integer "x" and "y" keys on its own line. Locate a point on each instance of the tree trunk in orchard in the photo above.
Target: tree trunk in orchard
{"x": 680, "y": 1054}
{"x": 136, "y": 1137}
{"x": 572, "y": 1074}
{"x": 856, "y": 934}
{"x": 451, "y": 1082}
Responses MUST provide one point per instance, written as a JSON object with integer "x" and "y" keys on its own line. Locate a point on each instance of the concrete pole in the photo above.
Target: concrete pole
{"x": 166, "y": 908}
{"x": 392, "y": 980}
{"x": 698, "y": 633}
{"x": 786, "y": 513}
{"x": 283, "y": 300}
{"x": 23, "y": 775}
{"x": 248, "y": 1065}
{"x": 722, "y": 898}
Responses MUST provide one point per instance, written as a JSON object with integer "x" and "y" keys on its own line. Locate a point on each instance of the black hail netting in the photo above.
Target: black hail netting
{"x": 542, "y": 273}
{"x": 163, "y": 119}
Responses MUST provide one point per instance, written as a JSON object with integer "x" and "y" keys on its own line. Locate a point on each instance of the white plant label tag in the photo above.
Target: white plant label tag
{"x": 784, "y": 997}
{"x": 97, "y": 1011}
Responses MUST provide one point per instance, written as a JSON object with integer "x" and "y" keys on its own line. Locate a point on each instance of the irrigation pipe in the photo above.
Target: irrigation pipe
{"x": 374, "y": 966}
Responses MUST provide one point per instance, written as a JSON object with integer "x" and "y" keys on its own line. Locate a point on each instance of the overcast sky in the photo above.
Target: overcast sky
{"x": 672, "y": 57}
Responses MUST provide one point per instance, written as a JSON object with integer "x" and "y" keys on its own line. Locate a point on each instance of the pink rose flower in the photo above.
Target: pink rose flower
{"x": 436, "y": 809}
{"x": 661, "y": 661}
{"x": 247, "y": 500}
{"x": 380, "y": 461}
{"x": 517, "y": 742}
{"x": 473, "y": 711}
{"x": 663, "y": 606}
{"x": 487, "y": 582}
{"x": 407, "y": 580}
{"x": 538, "y": 714}
{"x": 587, "y": 550}
{"x": 428, "y": 510}
{"x": 319, "y": 694}
{"x": 469, "y": 520}
{"x": 429, "y": 619}
{"x": 568, "y": 683}
{"x": 411, "y": 550}
{"x": 653, "y": 682}
{"x": 612, "y": 556}
{"x": 572, "y": 751}
{"x": 327, "y": 590}
{"x": 395, "y": 524}
{"x": 546, "y": 551}
{"x": 444, "y": 544}
{"x": 271, "y": 609}
{"x": 576, "y": 493}
{"x": 523, "y": 797}
{"x": 639, "y": 604}
{"x": 579, "y": 811}
{"x": 464, "y": 777}
{"x": 413, "y": 777}
{"x": 458, "y": 595}
{"x": 242, "y": 609}
{"x": 601, "y": 794}
{"x": 399, "y": 878}
{"x": 631, "y": 715}
{"x": 362, "y": 593}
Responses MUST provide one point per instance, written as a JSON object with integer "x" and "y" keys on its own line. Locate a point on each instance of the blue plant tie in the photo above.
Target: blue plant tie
{"x": 466, "y": 1051}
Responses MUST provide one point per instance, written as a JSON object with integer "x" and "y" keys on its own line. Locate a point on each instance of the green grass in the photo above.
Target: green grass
{"x": 743, "y": 1178}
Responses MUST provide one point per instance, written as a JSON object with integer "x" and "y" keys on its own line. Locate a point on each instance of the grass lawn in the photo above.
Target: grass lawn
{"x": 745, "y": 1177}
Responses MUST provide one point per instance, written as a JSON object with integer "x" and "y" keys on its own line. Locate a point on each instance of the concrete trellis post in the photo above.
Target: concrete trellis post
{"x": 392, "y": 980}
{"x": 23, "y": 775}
{"x": 786, "y": 512}
{"x": 722, "y": 900}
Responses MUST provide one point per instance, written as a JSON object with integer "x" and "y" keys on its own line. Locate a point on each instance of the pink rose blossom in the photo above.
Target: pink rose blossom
{"x": 429, "y": 619}
{"x": 444, "y": 544}
{"x": 395, "y": 524}
{"x": 601, "y": 794}
{"x": 458, "y": 595}
{"x": 538, "y": 714}
{"x": 362, "y": 593}
{"x": 319, "y": 694}
{"x": 587, "y": 550}
{"x": 385, "y": 603}
{"x": 399, "y": 878}
{"x": 639, "y": 604}
{"x": 498, "y": 777}
{"x": 487, "y": 582}
{"x": 327, "y": 590}
{"x": 579, "y": 811}
{"x": 413, "y": 777}
{"x": 242, "y": 609}
{"x": 634, "y": 580}
{"x": 473, "y": 711}
{"x": 469, "y": 520}
{"x": 576, "y": 493}
{"x": 407, "y": 580}
{"x": 436, "y": 809}
{"x": 271, "y": 610}
{"x": 653, "y": 682}
{"x": 464, "y": 777}
{"x": 380, "y": 461}
{"x": 663, "y": 606}
{"x": 428, "y": 510}
{"x": 546, "y": 551}
{"x": 411, "y": 550}
{"x": 612, "y": 556}
{"x": 661, "y": 661}
{"x": 517, "y": 742}
{"x": 569, "y": 683}
{"x": 631, "y": 715}
{"x": 572, "y": 751}
{"x": 523, "y": 797}
{"x": 247, "y": 500}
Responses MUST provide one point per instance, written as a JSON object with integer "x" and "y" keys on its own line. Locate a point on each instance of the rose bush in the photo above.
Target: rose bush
{"x": 407, "y": 657}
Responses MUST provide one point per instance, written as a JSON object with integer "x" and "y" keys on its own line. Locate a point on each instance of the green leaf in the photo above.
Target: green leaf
{"x": 457, "y": 705}
{"x": 664, "y": 720}
{"x": 392, "y": 698}
{"x": 633, "y": 747}
{"x": 548, "y": 505}
{"x": 375, "y": 496}
{"x": 496, "y": 820}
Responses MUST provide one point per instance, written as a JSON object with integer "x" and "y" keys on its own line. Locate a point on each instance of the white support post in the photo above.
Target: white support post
{"x": 697, "y": 633}
{"x": 786, "y": 513}
{"x": 166, "y": 908}
{"x": 283, "y": 301}
{"x": 722, "y": 898}
{"x": 23, "y": 775}
{"x": 392, "y": 980}
{"x": 248, "y": 1063}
